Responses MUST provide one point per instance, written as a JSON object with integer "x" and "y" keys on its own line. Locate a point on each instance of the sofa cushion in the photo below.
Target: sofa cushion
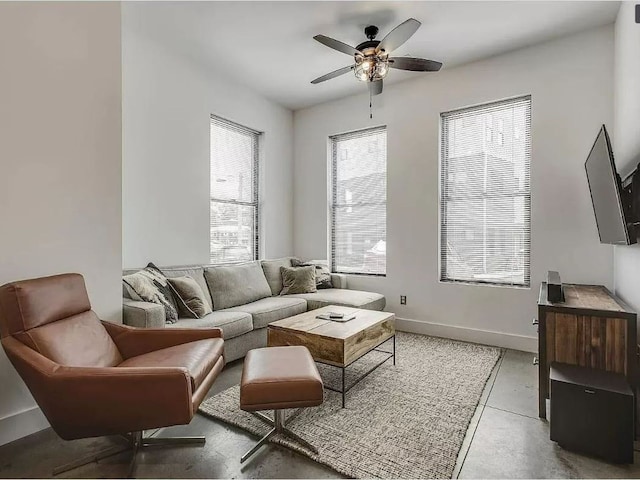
{"x": 271, "y": 270}
{"x": 235, "y": 285}
{"x": 197, "y": 357}
{"x": 346, "y": 298}
{"x": 270, "y": 309}
{"x": 233, "y": 324}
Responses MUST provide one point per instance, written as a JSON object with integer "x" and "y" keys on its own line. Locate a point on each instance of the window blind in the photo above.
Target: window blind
{"x": 485, "y": 194}
{"x": 359, "y": 202}
{"x": 234, "y": 192}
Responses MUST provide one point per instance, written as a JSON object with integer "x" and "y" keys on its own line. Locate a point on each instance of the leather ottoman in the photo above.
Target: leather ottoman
{"x": 278, "y": 378}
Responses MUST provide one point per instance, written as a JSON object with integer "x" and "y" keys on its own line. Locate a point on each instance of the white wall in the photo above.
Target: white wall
{"x": 60, "y": 162}
{"x": 626, "y": 137}
{"x": 168, "y": 96}
{"x": 570, "y": 81}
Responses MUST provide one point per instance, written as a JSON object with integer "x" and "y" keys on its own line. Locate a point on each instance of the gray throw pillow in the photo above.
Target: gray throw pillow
{"x": 235, "y": 285}
{"x": 150, "y": 285}
{"x": 271, "y": 270}
{"x": 323, "y": 274}
{"x": 192, "y": 296}
{"x": 298, "y": 280}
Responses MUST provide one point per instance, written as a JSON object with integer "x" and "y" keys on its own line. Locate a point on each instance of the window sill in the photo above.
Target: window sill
{"x": 485, "y": 284}
{"x": 361, "y": 274}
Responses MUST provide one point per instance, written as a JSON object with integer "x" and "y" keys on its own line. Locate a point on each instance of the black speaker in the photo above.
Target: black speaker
{"x": 554, "y": 287}
{"x": 592, "y": 411}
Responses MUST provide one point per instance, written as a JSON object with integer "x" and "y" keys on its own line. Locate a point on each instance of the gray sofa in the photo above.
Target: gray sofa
{"x": 245, "y": 299}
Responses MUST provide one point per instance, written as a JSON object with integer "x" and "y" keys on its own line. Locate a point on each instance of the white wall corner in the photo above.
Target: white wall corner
{"x": 21, "y": 424}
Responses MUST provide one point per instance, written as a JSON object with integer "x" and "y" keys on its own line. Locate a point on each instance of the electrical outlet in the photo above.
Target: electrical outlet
{"x": 403, "y": 299}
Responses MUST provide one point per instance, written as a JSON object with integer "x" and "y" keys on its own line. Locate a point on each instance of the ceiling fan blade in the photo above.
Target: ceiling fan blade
{"x": 375, "y": 87}
{"x": 337, "y": 45}
{"x": 414, "y": 64}
{"x": 398, "y": 35}
{"x": 334, "y": 74}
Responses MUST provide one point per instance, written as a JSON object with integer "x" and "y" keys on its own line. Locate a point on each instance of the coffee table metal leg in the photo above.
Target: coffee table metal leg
{"x": 394, "y": 350}
{"x": 344, "y": 392}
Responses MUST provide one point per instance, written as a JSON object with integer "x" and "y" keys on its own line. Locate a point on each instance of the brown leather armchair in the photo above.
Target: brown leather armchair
{"x": 94, "y": 378}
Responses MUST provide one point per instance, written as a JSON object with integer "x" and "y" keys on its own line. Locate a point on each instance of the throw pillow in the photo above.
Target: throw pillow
{"x": 298, "y": 280}
{"x": 191, "y": 295}
{"x": 150, "y": 285}
{"x": 235, "y": 285}
{"x": 271, "y": 270}
{"x": 323, "y": 274}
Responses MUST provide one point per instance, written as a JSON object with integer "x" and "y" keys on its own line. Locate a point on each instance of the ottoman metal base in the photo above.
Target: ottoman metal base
{"x": 278, "y": 424}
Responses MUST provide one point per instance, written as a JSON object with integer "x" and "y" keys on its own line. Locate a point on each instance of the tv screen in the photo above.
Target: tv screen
{"x": 606, "y": 192}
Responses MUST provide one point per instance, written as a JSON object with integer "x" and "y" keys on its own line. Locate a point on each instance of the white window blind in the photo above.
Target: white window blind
{"x": 359, "y": 202}
{"x": 234, "y": 192}
{"x": 485, "y": 194}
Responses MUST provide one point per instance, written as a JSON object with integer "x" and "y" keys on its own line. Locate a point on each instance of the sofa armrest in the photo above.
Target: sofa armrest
{"x": 339, "y": 280}
{"x": 142, "y": 314}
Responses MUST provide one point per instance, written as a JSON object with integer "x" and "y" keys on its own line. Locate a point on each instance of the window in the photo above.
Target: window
{"x": 234, "y": 192}
{"x": 359, "y": 202}
{"x": 485, "y": 194}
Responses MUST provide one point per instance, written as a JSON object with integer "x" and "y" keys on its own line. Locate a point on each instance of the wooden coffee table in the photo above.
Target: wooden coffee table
{"x": 337, "y": 343}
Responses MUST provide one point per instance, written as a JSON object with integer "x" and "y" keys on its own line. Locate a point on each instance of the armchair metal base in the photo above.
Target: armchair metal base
{"x": 278, "y": 424}
{"x": 134, "y": 442}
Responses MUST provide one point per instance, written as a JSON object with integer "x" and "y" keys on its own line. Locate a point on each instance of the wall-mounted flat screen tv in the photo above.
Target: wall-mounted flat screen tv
{"x": 606, "y": 192}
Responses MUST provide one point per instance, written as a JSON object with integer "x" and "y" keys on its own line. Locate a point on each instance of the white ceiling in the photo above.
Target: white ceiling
{"x": 268, "y": 46}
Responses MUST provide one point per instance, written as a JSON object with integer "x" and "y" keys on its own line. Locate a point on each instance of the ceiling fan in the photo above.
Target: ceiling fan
{"x": 372, "y": 60}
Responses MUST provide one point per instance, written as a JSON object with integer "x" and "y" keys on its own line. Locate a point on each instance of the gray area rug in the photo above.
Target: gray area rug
{"x": 406, "y": 421}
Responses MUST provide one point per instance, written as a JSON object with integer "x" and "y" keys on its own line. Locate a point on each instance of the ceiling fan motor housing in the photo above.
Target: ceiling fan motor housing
{"x": 368, "y": 45}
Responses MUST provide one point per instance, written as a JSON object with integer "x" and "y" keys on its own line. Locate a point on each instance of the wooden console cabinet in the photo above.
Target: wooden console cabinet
{"x": 591, "y": 328}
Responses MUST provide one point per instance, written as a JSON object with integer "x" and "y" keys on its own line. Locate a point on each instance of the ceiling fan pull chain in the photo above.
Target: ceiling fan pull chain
{"x": 370, "y": 105}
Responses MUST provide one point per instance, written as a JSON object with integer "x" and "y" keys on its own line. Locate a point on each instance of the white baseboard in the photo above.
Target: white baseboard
{"x": 22, "y": 424}
{"x": 474, "y": 335}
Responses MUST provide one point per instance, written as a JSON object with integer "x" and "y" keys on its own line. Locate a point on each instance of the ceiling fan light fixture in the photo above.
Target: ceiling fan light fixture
{"x": 372, "y": 68}
{"x": 382, "y": 68}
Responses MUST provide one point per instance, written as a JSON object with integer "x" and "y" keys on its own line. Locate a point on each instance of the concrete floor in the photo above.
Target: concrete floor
{"x": 505, "y": 440}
